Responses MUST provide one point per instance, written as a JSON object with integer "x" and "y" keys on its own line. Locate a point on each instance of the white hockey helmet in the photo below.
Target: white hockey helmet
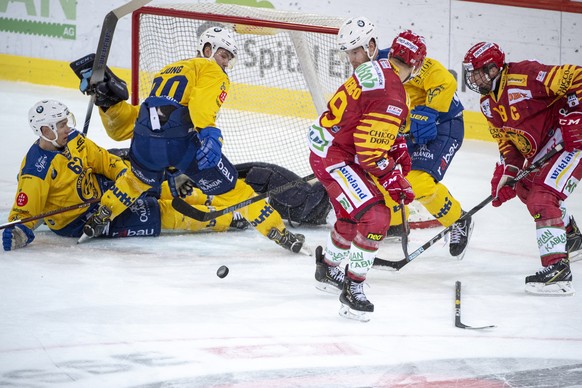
{"x": 219, "y": 37}
{"x": 357, "y": 32}
{"x": 48, "y": 113}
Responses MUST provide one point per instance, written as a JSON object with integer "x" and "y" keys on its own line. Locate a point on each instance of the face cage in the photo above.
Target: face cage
{"x": 480, "y": 75}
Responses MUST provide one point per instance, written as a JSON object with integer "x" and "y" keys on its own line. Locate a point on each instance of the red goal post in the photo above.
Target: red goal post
{"x": 287, "y": 68}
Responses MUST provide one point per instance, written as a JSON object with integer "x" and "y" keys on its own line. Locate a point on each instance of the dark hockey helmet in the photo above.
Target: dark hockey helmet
{"x": 477, "y": 65}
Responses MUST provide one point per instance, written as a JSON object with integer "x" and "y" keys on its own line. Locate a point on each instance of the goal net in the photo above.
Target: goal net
{"x": 287, "y": 68}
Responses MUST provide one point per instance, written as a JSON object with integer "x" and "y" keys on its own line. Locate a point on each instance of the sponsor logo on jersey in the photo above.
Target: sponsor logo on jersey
{"x": 21, "y": 199}
{"x": 41, "y": 163}
{"x": 355, "y": 183}
{"x": 565, "y": 81}
{"x": 486, "y": 108}
{"x": 517, "y": 80}
{"x": 394, "y": 110}
{"x": 142, "y": 177}
{"x": 266, "y": 211}
{"x": 573, "y": 100}
{"x": 374, "y": 237}
{"x": 222, "y": 96}
{"x": 123, "y": 197}
{"x": 541, "y": 76}
{"x": 384, "y": 63}
{"x": 344, "y": 202}
{"x": 369, "y": 76}
{"x": 446, "y": 158}
{"x": 423, "y": 153}
{"x": 205, "y": 184}
{"x": 224, "y": 170}
{"x": 80, "y": 142}
{"x": 517, "y": 95}
{"x": 140, "y": 208}
{"x": 134, "y": 233}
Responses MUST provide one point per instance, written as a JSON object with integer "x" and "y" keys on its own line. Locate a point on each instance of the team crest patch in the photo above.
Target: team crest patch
{"x": 21, "y": 199}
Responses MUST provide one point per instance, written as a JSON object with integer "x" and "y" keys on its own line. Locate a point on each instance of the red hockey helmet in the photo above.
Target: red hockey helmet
{"x": 477, "y": 64}
{"x": 410, "y": 48}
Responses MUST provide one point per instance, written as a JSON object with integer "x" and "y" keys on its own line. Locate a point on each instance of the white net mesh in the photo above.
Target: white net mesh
{"x": 288, "y": 66}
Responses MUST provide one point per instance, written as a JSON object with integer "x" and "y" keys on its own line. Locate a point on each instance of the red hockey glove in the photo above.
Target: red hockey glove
{"x": 399, "y": 152}
{"x": 571, "y": 125}
{"x": 397, "y": 187}
{"x": 500, "y": 191}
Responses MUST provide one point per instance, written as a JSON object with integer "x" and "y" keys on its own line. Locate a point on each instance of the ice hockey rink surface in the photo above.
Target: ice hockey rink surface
{"x": 151, "y": 312}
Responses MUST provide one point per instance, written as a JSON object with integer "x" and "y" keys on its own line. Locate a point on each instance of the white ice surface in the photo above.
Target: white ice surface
{"x": 151, "y": 312}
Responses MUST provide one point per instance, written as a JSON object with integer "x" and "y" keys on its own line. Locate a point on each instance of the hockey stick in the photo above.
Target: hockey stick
{"x": 184, "y": 207}
{"x": 103, "y": 48}
{"x": 387, "y": 264}
{"x": 405, "y": 229}
{"x": 458, "y": 311}
{"x": 51, "y": 213}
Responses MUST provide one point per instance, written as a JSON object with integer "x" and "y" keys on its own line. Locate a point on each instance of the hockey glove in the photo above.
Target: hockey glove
{"x": 180, "y": 184}
{"x": 423, "y": 124}
{"x": 571, "y": 125}
{"x": 500, "y": 191}
{"x": 98, "y": 222}
{"x": 399, "y": 152}
{"x": 397, "y": 186}
{"x": 108, "y": 92}
{"x": 210, "y": 150}
{"x": 17, "y": 236}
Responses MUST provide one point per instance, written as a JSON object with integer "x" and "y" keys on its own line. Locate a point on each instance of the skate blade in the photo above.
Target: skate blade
{"x": 83, "y": 238}
{"x": 356, "y": 315}
{"x": 575, "y": 256}
{"x": 328, "y": 288}
{"x": 553, "y": 289}
{"x": 305, "y": 250}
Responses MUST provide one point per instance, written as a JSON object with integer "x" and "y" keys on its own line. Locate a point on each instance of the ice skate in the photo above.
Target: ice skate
{"x": 460, "y": 236}
{"x": 355, "y": 305}
{"x": 288, "y": 240}
{"x": 329, "y": 278}
{"x": 555, "y": 279}
{"x": 395, "y": 233}
{"x": 573, "y": 239}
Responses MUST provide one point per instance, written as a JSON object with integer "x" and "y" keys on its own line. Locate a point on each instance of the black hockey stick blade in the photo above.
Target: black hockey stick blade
{"x": 50, "y": 213}
{"x": 184, "y": 207}
{"x": 405, "y": 230}
{"x": 103, "y": 48}
{"x": 458, "y": 322}
{"x": 397, "y": 265}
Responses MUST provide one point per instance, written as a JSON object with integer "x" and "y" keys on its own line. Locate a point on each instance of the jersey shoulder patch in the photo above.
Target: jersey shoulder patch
{"x": 38, "y": 161}
{"x": 370, "y": 76}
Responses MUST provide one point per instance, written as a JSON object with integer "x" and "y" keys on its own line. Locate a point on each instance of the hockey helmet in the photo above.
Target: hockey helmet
{"x": 478, "y": 61}
{"x": 409, "y": 48}
{"x": 357, "y": 32}
{"x": 219, "y": 37}
{"x": 48, "y": 113}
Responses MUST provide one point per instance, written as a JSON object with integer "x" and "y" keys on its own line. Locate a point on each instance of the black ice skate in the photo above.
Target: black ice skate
{"x": 555, "y": 279}
{"x": 329, "y": 278}
{"x": 286, "y": 239}
{"x": 573, "y": 237}
{"x": 460, "y": 236}
{"x": 355, "y": 305}
{"x": 395, "y": 233}
{"x": 239, "y": 222}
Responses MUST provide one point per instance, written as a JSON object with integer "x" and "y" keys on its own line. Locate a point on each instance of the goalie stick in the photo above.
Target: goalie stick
{"x": 103, "y": 48}
{"x": 397, "y": 265}
{"x": 51, "y": 213}
{"x": 458, "y": 322}
{"x": 184, "y": 207}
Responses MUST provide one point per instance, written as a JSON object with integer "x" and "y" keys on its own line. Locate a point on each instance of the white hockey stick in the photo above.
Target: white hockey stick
{"x": 103, "y": 48}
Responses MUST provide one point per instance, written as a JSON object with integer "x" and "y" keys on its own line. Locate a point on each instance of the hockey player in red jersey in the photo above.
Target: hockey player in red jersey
{"x": 531, "y": 107}
{"x": 355, "y": 152}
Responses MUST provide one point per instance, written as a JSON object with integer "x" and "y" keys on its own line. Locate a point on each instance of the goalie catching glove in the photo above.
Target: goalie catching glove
{"x": 500, "y": 190}
{"x": 423, "y": 124}
{"x": 108, "y": 92}
{"x": 16, "y": 237}
{"x": 571, "y": 125}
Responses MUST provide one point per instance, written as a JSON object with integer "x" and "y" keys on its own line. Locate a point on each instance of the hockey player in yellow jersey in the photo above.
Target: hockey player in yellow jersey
{"x": 175, "y": 128}
{"x": 435, "y": 132}
{"x": 64, "y": 169}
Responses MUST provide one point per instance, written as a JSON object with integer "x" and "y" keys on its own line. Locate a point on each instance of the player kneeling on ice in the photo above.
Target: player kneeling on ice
{"x": 530, "y": 108}
{"x": 63, "y": 169}
{"x": 175, "y": 128}
{"x": 355, "y": 150}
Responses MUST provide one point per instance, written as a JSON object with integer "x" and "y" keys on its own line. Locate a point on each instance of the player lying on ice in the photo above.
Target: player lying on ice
{"x": 175, "y": 128}
{"x": 63, "y": 168}
{"x": 530, "y": 108}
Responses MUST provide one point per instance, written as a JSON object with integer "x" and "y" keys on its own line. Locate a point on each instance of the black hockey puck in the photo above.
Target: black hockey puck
{"x": 222, "y": 271}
